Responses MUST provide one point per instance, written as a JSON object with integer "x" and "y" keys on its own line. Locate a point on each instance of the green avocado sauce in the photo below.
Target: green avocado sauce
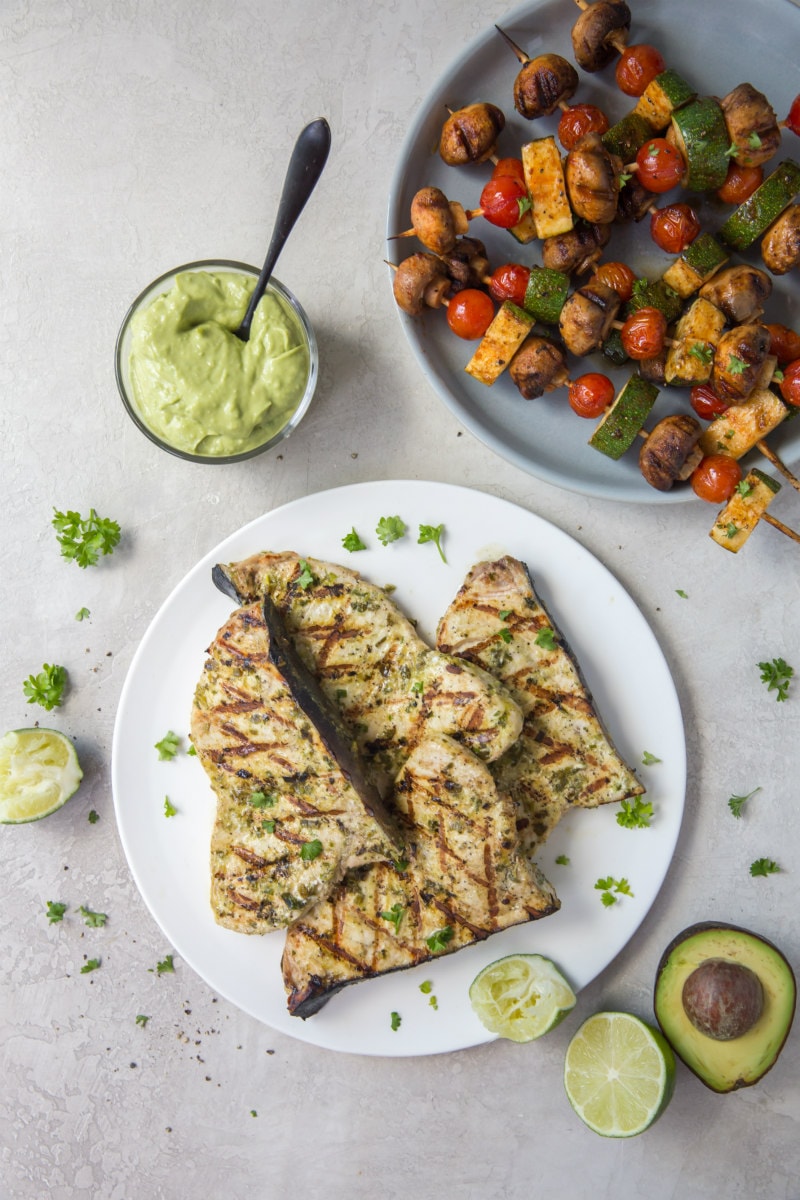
{"x": 200, "y": 388}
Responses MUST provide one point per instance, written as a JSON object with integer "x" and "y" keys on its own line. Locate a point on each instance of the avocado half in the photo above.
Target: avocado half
{"x": 739, "y": 1062}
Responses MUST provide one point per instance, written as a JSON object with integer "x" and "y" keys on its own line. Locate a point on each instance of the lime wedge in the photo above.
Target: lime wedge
{"x": 521, "y": 997}
{"x": 39, "y": 771}
{"x": 619, "y": 1074}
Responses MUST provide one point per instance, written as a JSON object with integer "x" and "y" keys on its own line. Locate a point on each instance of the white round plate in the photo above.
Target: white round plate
{"x": 622, "y": 662}
{"x": 714, "y": 52}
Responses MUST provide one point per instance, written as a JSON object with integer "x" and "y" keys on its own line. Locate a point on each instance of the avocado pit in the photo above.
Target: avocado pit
{"x": 723, "y": 999}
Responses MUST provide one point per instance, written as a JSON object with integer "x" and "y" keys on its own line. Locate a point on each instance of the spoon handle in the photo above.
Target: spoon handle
{"x": 309, "y": 156}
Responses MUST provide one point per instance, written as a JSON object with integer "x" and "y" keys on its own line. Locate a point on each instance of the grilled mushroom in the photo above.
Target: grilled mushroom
{"x": 596, "y": 30}
{"x": 740, "y": 292}
{"x": 542, "y": 84}
{"x": 653, "y": 369}
{"x": 752, "y": 125}
{"x": 420, "y": 281}
{"x": 670, "y": 452}
{"x": 738, "y": 360}
{"x": 467, "y": 263}
{"x": 634, "y": 201}
{"x": 780, "y": 246}
{"x": 470, "y": 134}
{"x": 539, "y": 366}
{"x": 577, "y": 251}
{"x": 592, "y": 176}
{"x": 585, "y": 319}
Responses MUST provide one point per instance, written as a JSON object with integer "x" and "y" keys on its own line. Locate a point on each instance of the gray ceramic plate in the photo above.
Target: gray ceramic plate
{"x": 715, "y": 51}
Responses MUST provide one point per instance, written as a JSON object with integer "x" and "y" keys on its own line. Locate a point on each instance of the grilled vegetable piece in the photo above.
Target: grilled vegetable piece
{"x": 627, "y": 136}
{"x": 505, "y": 335}
{"x": 780, "y": 247}
{"x": 542, "y": 84}
{"x": 618, "y": 429}
{"x": 539, "y": 366}
{"x": 286, "y": 778}
{"x": 653, "y": 369}
{"x": 576, "y": 251}
{"x": 470, "y": 134}
{"x": 698, "y": 130}
{"x": 466, "y": 264}
{"x": 390, "y": 687}
{"x": 564, "y": 758}
{"x": 752, "y": 219}
{"x": 738, "y": 360}
{"x": 737, "y": 431}
{"x": 662, "y": 97}
{"x": 596, "y": 29}
{"x": 752, "y": 125}
{"x": 670, "y": 452}
{"x": 544, "y": 179}
{"x": 635, "y": 201}
{"x": 744, "y": 510}
{"x": 545, "y": 294}
{"x": 740, "y": 292}
{"x": 691, "y": 355}
{"x": 463, "y": 879}
{"x": 654, "y": 293}
{"x": 696, "y": 265}
{"x": 436, "y": 221}
{"x": 585, "y": 319}
{"x": 592, "y": 178}
{"x": 420, "y": 282}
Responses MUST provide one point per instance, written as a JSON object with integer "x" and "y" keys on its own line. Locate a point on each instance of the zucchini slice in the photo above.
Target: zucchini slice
{"x": 697, "y": 264}
{"x": 655, "y": 293}
{"x": 505, "y": 335}
{"x": 753, "y": 218}
{"x": 620, "y": 426}
{"x": 736, "y": 431}
{"x": 662, "y": 97}
{"x": 545, "y": 294}
{"x": 691, "y": 355}
{"x": 628, "y": 135}
{"x": 700, "y": 133}
{"x": 744, "y": 510}
{"x": 544, "y": 178}
{"x": 525, "y": 229}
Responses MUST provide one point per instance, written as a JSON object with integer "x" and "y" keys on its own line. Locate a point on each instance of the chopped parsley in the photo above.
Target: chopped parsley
{"x": 390, "y": 529}
{"x": 90, "y": 965}
{"x": 737, "y": 803}
{"x": 46, "y": 688}
{"x": 432, "y": 533}
{"x": 311, "y": 850}
{"x": 168, "y": 746}
{"x": 438, "y": 940}
{"x": 169, "y": 808}
{"x": 166, "y": 966}
{"x": 400, "y": 865}
{"x": 777, "y": 675}
{"x": 262, "y": 800}
{"x": 418, "y": 687}
{"x": 94, "y": 919}
{"x": 84, "y": 539}
{"x": 611, "y": 888}
{"x": 396, "y": 1021}
{"x": 142, "y": 1020}
{"x": 702, "y": 351}
{"x": 192, "y": 752}
{"x": 82, "y": 614}
{"x": 635, "y": 814}
{"x": 546, "y": 639}
{"x": 268, "y": 826}
{"x": 306, "y": 577}
{"x": 504, "y": 614}
{"x": 505, "y": 635}
{"x": 562, "y": 860}
{"x": 680, "y": 592}
{"x": 426, "y": 988}
{"x": 55, "y": 911}
{"x": 649, "y": 759}
{"x": 394, "y": 915}
{"x": 764, "y": 866}
{"x": 731, "y": 530}
{"x": 744, "y": 487}
{"x": 352, "y": 542}
{"x": 736, "y": 365}
{"x": 753, "y": 140}
{"x": 93, "y": 817}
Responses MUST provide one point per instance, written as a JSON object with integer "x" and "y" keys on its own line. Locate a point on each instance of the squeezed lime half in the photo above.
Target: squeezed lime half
{"x": 521, "y": 996}
{"x": 619, "y": 1074}
{"x": 39, "y": 771}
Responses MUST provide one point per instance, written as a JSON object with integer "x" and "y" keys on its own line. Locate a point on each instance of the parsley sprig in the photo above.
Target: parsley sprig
{"x": 84, "y": 539}
{"x": 737, "y": 803}
{"x": 390, "y": 529}
{"x": 96, "y": 920}
{"x": 46, "y": 688}
{"x": 167, "y": 747}
{"x": 610, "y": 889}
{"x": 352, "y": 542}
{"x": 635, "y": 814}
{"x": 394, "y": 915}
{"x": 764, "y": 866}
{"x": 776, "y": 674}
{"x": 55, "y": 911}
{"x": 432, "y": 533}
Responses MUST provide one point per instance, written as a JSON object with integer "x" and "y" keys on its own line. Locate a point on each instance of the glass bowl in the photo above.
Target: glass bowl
{"x": 123, "y": 351}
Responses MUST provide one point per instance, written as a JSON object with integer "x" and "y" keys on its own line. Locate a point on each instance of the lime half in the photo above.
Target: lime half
{"x": 39, "y": 771}
{"x": 619, "y": 1074}
{"x": 521, "y": 997}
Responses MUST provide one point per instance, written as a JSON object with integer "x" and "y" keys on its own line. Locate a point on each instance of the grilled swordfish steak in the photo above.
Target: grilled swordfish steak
{"x": 390, "y": 687}
{"x": 564, "y": 757}
{"x": 294, "y": 810}
{"x": 462, "y": 879}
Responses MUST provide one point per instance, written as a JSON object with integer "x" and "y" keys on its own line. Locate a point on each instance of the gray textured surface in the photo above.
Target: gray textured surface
{"x": 138, "y": 136}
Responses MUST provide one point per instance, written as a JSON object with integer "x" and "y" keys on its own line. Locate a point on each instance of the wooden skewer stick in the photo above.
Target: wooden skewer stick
{"x": 776, "y": 524}
{"x": 520, "y": 53}
{"x": 778, "y": 463}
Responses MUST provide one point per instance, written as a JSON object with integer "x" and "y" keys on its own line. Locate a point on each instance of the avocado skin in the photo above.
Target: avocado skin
{"x": 705, "y": 1057}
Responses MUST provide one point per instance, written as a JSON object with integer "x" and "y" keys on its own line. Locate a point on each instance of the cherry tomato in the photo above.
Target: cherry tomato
{"x": 740, "y": 183}
{"x": 706, "y": 403}
{"x": 580, "y": 119}
{"x": 793, "y": 120}
{"x": 617, "y": 275}
{"x": 470, "y": 313}
{"x": 715, "y": 478}
{"x": 510, "y": 282}
{"x": 674, "y": 227}
{"x": 643, "y": 333}
{"x": 660, "y": 165}
{"x": 590, "y": 395}
{"x": 512, "y": 167}
{"x": 503, "y": 201}
{"x": 784, "y": 343}
{"x": 790, "y": 384}
{"x": 638, "y": 66}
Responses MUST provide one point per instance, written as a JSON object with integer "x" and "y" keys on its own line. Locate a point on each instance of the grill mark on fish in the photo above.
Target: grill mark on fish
{"x": 249, "y": 856}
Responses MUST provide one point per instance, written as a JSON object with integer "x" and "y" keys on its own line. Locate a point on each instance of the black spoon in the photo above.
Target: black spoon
{"x": 305, "y": 167}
